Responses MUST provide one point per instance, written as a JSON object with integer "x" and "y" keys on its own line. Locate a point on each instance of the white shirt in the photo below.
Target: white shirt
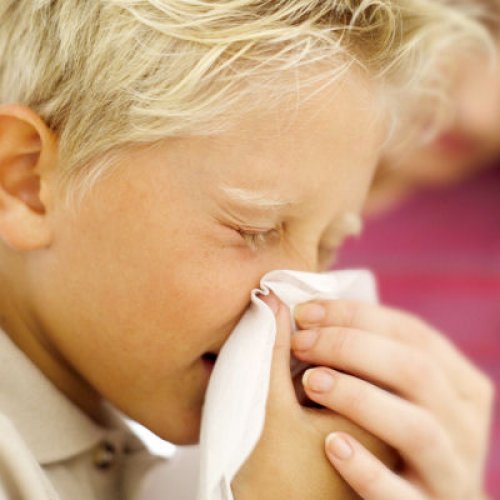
{"x": 51, "y": 450}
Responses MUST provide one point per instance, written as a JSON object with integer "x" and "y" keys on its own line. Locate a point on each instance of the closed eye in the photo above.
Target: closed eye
{"x": 255, "y": 238}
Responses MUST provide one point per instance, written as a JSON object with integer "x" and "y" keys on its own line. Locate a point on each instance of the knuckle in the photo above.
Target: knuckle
{"x": 355, "y": 399}
{"x": 338, "y": 339}
{"x": 369, "y": 481}
{"x": 427, "y": 337}
{"x": 347, "y": 312}
{"x": 459, "y": 488}
{"x": 417, "y": 370}
{"x": 416, "y": 332}
{"x": 422, "y": 432}
{"x": 356, "y": 314}
{"x": 486, "y": 389}
{"x": 480, "y": 390}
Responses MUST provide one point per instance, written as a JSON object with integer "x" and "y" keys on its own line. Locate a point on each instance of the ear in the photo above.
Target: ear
{"x": 28, "y": 151}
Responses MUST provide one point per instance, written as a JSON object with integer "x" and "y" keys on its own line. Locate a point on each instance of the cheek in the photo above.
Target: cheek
{"x": 153, "y": 302}
{"x": 140, "y": 289}
{"x": 206, "y": 296}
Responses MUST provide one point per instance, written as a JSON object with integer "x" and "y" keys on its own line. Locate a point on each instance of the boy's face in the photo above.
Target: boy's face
{"x": 151, "y": 273}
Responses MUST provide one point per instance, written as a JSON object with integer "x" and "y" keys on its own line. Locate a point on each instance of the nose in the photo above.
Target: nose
{"x": 303, "y": 257}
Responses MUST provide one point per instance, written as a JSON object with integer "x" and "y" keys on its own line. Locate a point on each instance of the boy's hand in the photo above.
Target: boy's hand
{"x": 404, "y": 382}
{"x": 289, "y": 460}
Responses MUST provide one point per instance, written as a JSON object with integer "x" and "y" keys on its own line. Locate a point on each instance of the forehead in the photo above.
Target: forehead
{"x": 309, "y": 139}
{"x": 310, "y": 156}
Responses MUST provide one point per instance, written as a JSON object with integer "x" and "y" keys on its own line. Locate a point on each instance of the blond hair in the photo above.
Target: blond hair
{"x": 487, "y": 12}
{"x": 107, "y": 74}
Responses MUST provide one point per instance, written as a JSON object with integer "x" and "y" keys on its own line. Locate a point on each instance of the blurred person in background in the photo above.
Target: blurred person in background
{"x": 432, "y": 232}
{"x": 467, "y": 144}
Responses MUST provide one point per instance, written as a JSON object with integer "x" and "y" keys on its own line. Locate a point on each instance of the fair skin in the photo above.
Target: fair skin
{"x": 392, "y": 374}
{"x": 407, "y": 384}
{"x": 123, "y": 297}
{"x": 469, "y": 142}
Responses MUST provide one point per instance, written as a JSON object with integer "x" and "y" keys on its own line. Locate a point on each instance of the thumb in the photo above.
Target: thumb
{"x": 281, "y": 390}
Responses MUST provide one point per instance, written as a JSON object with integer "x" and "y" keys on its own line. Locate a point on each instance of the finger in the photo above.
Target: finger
{"x": 281, "y": 390}
{"x": 414, "y": 432}
{"x": 381, "y": 360}
{"x": 403, "y": 369}
{"x": 366, "y": 475}
{"x": 398, "y": 325}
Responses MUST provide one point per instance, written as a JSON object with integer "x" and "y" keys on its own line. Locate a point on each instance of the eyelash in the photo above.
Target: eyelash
{"x": 254, "y": 238}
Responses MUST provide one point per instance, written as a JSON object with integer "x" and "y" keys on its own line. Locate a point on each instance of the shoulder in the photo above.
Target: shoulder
{"x": 21, "y": 477}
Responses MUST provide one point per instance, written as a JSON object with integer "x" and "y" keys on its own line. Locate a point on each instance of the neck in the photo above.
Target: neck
{"x": 17, "y": 321}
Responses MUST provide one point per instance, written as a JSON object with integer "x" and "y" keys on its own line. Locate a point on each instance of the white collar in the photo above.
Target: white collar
{"x": 52, "y": 426}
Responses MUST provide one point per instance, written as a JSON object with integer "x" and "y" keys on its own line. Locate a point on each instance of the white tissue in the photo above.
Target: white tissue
{"x": 234, "y": 411}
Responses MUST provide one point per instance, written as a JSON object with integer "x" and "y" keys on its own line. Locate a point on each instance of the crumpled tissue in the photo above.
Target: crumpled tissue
{"x": 235, "y": 402}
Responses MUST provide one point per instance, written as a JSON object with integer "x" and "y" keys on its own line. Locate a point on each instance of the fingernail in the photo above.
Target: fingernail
{"x": 304, "y": 339}
{"x": 272, "y": 301}
{"x": 310, "y": 313}
{"x": 317, "y": 380}
{"x": 339, "y": 447}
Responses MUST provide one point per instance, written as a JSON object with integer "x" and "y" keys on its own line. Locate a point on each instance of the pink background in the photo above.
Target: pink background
{"x": 438, "y": 255}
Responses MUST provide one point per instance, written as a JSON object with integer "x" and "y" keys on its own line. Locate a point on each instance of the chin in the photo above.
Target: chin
{"x": 184, "y": 438}
{"x": 179, "y": 428}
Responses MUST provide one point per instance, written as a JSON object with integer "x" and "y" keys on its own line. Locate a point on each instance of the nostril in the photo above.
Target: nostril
{"x": 211, "y": 357}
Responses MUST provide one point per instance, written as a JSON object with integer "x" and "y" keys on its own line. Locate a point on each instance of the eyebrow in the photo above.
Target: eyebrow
{"x": 346, "y": 224}
{"x": 256, "y": 199}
